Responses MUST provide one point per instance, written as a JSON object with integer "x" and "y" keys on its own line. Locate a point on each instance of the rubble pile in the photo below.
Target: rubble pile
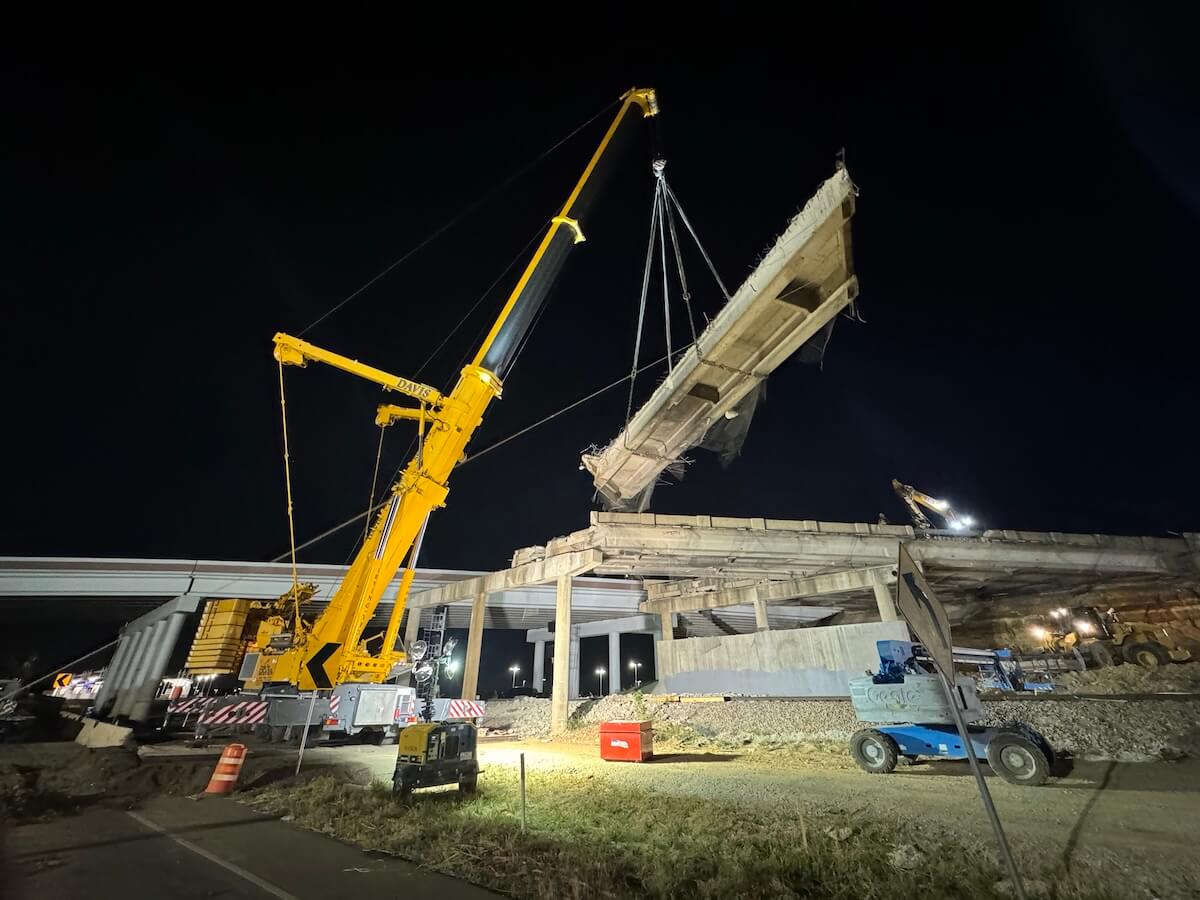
{"x": 1183, "y": 678}
{"x": 1128, "y": 730}
{"x": 1124, "y": 730}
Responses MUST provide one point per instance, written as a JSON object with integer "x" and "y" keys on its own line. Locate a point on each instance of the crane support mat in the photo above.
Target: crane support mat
{"x": 794, "y": 293}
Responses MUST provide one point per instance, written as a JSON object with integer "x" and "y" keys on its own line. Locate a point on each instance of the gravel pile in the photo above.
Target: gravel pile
{"x": 737, "y": 721}
{"x": 524, "y": 717}
{"x": 1095, "y": 729}
{"x": 1126, "y": 730}
{"x": 1179, "y": 678}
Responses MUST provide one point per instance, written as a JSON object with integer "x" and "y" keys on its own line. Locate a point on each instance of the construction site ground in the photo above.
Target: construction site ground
{"x": 694, "y": 822}
{"x": 1103, "y": 726}
{"x": 1106, "y": 829}
{"x": 744, "y": 798}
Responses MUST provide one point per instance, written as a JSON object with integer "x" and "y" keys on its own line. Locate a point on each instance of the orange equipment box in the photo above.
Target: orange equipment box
{"x": 631, "y": 741}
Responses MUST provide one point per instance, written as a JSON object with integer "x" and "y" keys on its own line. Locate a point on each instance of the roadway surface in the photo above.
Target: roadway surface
{"x": 188, "y": 849}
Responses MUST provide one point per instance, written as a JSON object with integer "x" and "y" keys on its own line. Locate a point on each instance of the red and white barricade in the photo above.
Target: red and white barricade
{"x": 246, "y": 712}
{"x": 465, "y": 709}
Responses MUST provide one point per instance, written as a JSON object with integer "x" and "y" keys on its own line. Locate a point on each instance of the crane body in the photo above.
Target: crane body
{"x": 323, "y": 651}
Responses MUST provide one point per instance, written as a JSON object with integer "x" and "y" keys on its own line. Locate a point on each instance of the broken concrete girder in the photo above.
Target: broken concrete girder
{"x": 534, "y": 572}
{"x": 805, "y": 280}
{"x": 773, "y": 591}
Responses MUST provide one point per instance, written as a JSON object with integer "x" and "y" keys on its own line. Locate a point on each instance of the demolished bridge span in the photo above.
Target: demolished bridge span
{"x": 797, "y": 289}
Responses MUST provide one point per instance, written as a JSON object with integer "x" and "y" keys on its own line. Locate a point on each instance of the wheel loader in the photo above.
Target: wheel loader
{"x": 1104, "y": 639}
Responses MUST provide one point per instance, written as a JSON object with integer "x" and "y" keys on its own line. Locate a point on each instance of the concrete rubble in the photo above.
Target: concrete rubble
{"x": 1183, "y": 679}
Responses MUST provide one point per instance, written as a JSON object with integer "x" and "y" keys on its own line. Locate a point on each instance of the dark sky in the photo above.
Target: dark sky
{"x": 1026, "y": 243}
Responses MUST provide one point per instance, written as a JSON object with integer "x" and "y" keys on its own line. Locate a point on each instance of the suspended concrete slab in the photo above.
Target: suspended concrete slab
{"x": 797, "y": 289}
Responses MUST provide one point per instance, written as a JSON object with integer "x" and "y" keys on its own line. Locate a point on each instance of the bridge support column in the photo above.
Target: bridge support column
{"x": 614, "y": 662}
{"x": 559, "y": 705}
{"x": 761, "y": 622}
{"x": 539, "y": 665}
{"x": 412, "y": 627}
{"x": 885, "y": 601}
{"x": 470, "y": 685}
{"x": 574, "y": 667}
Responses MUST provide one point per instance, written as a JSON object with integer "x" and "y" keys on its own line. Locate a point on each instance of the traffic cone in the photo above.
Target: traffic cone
{"x": 225, "y": 775}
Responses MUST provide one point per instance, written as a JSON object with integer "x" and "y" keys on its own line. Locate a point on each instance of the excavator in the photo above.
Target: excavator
{"x": 914, "y": 499}
{"x": 297, "y": 650}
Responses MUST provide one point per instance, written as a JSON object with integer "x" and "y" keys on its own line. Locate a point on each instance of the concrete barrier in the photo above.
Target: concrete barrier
{"x": 96, "y": 734}
{"x": 795, "y": 662}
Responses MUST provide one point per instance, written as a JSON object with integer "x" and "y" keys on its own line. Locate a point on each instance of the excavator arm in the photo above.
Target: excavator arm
{"x": 330, "y": 651}
{"x": 914, "y": 499}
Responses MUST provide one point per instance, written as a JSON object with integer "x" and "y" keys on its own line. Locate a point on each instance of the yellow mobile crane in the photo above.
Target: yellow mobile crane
{"x": 327, "y": 651}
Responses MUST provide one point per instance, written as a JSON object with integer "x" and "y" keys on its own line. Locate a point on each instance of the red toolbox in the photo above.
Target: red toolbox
{"x": 630, "y": 741}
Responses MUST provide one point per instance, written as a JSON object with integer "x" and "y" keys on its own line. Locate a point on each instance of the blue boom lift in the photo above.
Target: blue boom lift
{"x": 906, "y": 690}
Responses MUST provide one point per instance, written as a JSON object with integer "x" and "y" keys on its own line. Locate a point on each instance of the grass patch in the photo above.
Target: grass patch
{"x": 589, "y": 839}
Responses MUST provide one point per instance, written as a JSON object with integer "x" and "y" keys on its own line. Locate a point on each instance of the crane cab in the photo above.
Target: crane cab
{"x": 434, "y": 753}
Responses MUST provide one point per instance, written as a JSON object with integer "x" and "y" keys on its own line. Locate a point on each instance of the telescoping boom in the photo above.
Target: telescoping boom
{"x": 327, "y": 650}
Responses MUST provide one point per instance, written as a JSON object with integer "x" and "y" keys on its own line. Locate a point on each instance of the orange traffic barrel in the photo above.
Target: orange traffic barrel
{"x": 229, "y": 766}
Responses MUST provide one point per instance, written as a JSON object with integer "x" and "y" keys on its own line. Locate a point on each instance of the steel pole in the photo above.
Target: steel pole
{"x": 984, "y": 793}
{"x": 522, "y": 792}
{"x": 304, "y": 734}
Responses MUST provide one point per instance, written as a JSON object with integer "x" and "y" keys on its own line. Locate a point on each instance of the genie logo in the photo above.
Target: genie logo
{"x": 893, "y": 696}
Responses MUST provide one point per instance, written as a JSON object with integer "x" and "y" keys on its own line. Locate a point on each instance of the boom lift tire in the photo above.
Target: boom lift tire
{"x": 466, "y": 784}
{"x": 1018, "y": 760}
{"x": 1147, "y": 654}
{"x": 875, "y": 752}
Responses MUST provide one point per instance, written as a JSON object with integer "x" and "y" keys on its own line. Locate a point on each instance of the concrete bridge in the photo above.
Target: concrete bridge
{"x": 675, "y": 577}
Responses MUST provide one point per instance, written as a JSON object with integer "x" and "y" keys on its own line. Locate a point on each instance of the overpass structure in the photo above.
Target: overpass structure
{"x": 93, "y": 589}
{"x": 81, "y": 589}
{"x": 836, "y": 572}
{"x": 675, "y": 577}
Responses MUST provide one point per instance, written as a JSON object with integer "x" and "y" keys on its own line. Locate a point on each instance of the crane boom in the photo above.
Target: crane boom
{"x": 327, "y": 651}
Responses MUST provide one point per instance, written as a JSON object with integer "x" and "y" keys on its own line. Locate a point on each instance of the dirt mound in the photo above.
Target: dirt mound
{"x": 39, "y": 780}
{"x": 1123, "y": 730}
{"x": 1178, "y": 678}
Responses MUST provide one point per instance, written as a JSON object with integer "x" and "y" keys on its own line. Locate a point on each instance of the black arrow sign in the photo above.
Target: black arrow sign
{"x": 316, "y": 665}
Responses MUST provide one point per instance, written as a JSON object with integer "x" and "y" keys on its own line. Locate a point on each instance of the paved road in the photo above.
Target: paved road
{"x": 213, "y": 848}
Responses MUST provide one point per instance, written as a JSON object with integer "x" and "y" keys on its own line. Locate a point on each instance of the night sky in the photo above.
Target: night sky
{"x": 1026, "y": 243}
